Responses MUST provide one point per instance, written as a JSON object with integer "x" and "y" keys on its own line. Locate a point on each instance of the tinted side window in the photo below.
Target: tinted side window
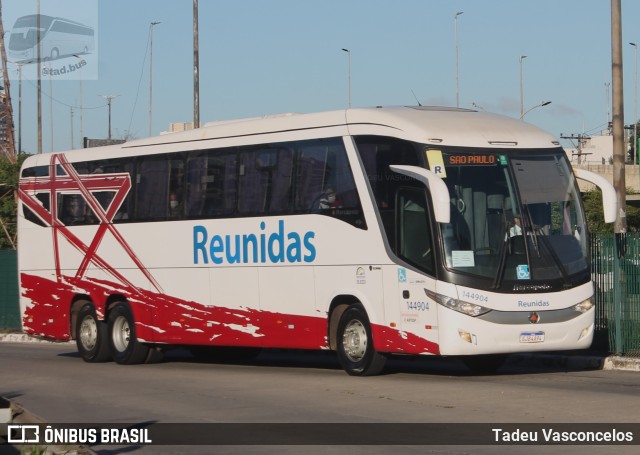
{"x": 377, "y": 154}
{"x": 211, "y": 188}
{"x": 262, "y": 180}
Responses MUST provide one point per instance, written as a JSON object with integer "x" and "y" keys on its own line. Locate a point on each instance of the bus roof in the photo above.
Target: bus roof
{"x": 437, "y": 125}
{"x": 440, "y": 126}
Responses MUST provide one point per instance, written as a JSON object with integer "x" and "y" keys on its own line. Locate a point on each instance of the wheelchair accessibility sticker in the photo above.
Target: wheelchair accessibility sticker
{"x": 402, "y": 275}
{"x": 522, "y": 272}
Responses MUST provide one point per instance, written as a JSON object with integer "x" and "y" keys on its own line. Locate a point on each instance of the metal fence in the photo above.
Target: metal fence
{"x": 615, "y": 260}
{"x": 9, "y": 311}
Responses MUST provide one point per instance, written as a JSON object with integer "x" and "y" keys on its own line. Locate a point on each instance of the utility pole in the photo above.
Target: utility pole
{"x": 196, "y": 68}
{"x": 582, "y": 140}
{"x": 8, "y": 148}
{"x": 19, "y": 107}
{"x": 620, "y": 226}
{"x": 109, "y": 98}
{"x": 39, "y": 69}
{"x": 607, "y": 100}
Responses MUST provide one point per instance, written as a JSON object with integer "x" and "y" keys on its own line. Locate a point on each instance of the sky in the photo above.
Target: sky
{"x": 263, "y": 57}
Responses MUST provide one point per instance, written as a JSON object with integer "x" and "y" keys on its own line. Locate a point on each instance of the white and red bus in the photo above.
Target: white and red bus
{"x": 405, "y": 230}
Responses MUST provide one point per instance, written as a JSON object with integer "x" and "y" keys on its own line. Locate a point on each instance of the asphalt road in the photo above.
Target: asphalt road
{"x": 52, "y": 382}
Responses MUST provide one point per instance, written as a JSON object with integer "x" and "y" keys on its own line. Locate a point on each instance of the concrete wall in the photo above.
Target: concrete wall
{"x": 632, "y": 176}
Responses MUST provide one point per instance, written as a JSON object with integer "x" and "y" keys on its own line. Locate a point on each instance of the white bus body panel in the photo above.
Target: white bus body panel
{"x": 188, "y": 298}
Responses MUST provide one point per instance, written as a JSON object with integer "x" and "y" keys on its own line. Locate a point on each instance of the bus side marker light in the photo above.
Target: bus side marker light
{"x": 585, "y": 332}
{"x": 468, "y": 337}
{"x": 393, "y": 324}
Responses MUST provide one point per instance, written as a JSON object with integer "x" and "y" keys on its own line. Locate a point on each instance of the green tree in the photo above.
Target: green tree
{"x": 9, "y": 176}
{"x": 595, "y": 216}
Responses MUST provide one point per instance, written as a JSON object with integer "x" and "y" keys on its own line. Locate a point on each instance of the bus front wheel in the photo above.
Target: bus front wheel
{"x": 355, "y": 344}
{"x": 92, "y": 336}
{"x": 125, "y": 348}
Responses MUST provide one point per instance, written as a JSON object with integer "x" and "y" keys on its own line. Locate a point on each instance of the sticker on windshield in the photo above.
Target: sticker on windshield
{"x": 462, "y": 258}
{"x": 522, "y": 272}
{"x": 436, "y": 163}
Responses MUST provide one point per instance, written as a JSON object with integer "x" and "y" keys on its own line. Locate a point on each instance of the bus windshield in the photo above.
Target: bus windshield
{"x": 515, "y": 217}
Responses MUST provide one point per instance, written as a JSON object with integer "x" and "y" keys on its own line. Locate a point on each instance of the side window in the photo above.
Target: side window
{"x": 414, "y": 232}
{"x": 377, "y": 154}
{"x": 43, "y": 198}
{"x": 211, "y": 183}
{"x": 152, "y": 188}
{"x": 324, "y": 182}
{"x": 105, "y": 197}
{"x": 73, "y": 210}
{"x": 175, "y": 205}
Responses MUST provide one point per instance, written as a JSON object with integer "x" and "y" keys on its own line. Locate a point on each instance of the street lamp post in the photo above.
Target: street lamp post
{"x": 50, "y": 67}
{"x": 635, "y": 106}
{"x": 349, "y": 74}
{"x": 455, "y": 20}
{"x": 544, "y": 103}
{"x": 81, "y": 103}
{"x": 522, "y": 57}
{"x": 151, "y": 26}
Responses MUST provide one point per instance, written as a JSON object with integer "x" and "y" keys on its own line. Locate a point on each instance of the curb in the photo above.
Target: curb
{"x": 24, "y": 338}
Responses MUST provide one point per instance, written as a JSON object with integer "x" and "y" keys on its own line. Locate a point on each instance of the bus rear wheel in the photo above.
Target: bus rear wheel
{"x": 125, "y": 348}
{"x": 92, "y": 336}
{"x": 355, "y": 344}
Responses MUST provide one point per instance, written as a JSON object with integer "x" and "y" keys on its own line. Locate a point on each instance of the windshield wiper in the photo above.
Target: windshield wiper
{"x": 504, "y": 250}
{"x": 531, "y": 229}
{"x": 547, "y": 245}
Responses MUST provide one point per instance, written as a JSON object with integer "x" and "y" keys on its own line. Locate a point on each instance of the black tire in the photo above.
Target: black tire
{"x": 92, "y": 336}
{"x": 125, "y": 347}
{"x": 484, "y": 364}
{"x": 355, "y": 344}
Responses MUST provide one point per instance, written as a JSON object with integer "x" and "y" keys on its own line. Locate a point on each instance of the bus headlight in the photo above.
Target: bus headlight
{"x": 468, "y": 308}
{"x": 584, "y": 306}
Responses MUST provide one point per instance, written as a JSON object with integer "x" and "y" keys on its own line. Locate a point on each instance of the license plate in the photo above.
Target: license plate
{"x": 531, "y": 337}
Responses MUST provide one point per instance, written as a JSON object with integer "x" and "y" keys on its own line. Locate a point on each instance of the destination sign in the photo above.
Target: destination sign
{"x": 471, "y": 160}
